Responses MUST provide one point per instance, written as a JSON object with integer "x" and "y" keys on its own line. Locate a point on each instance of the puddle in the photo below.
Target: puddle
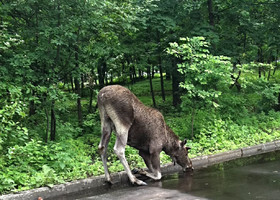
{"x": 248, "y": 178}
{"x": 255, "y": 177}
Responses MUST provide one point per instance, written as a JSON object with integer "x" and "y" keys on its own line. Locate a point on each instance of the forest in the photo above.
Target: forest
{"x": 210, "y": 66}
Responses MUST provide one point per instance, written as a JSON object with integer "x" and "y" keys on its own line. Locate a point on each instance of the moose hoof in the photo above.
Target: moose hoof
{"x": 109, "y": 182}
{"x": 139, "y": 182}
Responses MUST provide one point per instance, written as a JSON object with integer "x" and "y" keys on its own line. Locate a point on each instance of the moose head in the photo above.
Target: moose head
{"x": 181, "y": 157}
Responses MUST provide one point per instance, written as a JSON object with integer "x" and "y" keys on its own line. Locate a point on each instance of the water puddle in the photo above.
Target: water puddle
{"x": 256, "y": 177}
{"x": 250, "y": 178}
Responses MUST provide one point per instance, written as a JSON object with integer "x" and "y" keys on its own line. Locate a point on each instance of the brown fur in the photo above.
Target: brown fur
{"x": 139, "y": 126}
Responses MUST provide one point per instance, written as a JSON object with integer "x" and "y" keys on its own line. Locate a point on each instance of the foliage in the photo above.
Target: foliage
{"x": 12, "y": 111}
{"x": 56, "y": 55}
{"x": 203, "y": 72}
{"x": 37, "y": 164}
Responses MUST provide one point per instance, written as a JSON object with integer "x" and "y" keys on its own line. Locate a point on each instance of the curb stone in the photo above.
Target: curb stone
{"x": 200, "y": 162}
{"x": 122, "y": 179}
{"x": 225, "y": 156}
{"x": 277, "y": 144}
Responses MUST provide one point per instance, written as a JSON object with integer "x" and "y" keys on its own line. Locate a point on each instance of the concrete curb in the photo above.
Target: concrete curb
{"x": 98, "y": 183}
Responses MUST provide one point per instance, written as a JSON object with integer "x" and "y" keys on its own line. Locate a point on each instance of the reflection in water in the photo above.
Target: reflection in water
{"x": 257, "y": 180}
{"x": 181, "y": 182}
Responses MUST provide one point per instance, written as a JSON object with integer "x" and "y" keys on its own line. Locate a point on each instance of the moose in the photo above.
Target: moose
{"x": 140, "y": 127}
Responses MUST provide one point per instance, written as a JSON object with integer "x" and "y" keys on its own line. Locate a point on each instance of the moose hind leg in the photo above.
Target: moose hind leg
{"x": 103, "y": 145}
{"x": 119, "y": 149}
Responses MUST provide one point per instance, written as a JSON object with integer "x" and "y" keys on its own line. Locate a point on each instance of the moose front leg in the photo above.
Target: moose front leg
{"x": 147, "y": 159}
{"x": 153, "y": 163}
{"x": 119, "y": 149}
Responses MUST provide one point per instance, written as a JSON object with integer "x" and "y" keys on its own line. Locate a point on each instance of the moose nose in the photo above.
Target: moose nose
{"x": 188, "y": 168}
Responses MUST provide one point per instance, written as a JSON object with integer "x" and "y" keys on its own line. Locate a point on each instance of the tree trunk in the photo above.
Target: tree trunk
{"x": 176, "y": 79}
{"x": 101, "y": 72}
{"x": 153, "y": 71}
{"x": 68, "y": 85}
{"x": 32, "y": 109}
{"x": 79, "y": 105}
{"x": 151, "y": 87}
{"x": 160, "y": 67}
{"x": 260, "y": 59}
{"x": 47, "y": 126}
{"x": 78, "y": 90}
{"x": 161, "y": 80}
{"x": 277, "y": 107}
{"x": 82, "y": 85}
{"x": 168, "y": 75}
{"x": 111, "y": 78}
{"x": 193, "y": 117}
{"x": 276, "y": 62}
{"x": 133, "y": 74}
{"x": 72, "y": 83}
{"x": 140, "y": 73}
{"x": 268, "y": 76}
{"x": 210, "y": 12}
{"x": 236, "y": 83}
{"x": 90, "y": 101}
{"x": 53, "y": 123}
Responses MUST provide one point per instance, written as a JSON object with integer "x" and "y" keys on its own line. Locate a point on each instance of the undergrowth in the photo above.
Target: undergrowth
{"x": 237, "y": 123}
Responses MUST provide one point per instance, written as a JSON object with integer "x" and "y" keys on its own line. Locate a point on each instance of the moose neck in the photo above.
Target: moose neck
{"x": 172, "y": 142}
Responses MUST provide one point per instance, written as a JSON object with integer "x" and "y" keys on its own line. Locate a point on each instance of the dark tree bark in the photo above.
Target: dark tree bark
{"x": 235, "y": 80}
{"x": 160, "y": 69}
{"x": 192, "y": 122}
{"x": 277, "y": 107}
{"x": 269, "y": 74}
{"x": 176, "y": 79}
{"x": 277, "y": 52}
{"x": 151, "y": 87}
{"x": 72, "y": 84}
{"x": 260, "y": 59}
{"x": 140, "y": 74}
{"x": 102, "y": 68}
{"x": 32, "y": 109}
{"x": 134, "y": 77}
{"x": 91, "y": 83}
{"x": 168, "y": 75}
{"x": 47, "y": 126}
{"x": 210, "y": 12}
{"x": 82, "y": 85}
{"x": 78, "y": 90}
{"x": 153, "y": 71}
{"x": 79, "y": 105}
{"x": 53, "y": 123}
{"x": 161, "y": 82}
{"x": 90, "y": 101}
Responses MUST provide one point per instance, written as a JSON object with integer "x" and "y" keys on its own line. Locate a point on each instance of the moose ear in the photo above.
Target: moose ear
{"x": 183, "y": 143}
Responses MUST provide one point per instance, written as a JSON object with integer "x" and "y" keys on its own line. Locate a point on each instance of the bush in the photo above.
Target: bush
{"x": 38, "y": 164}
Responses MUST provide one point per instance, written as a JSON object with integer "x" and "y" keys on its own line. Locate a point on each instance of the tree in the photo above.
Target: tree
{"x": 204, "y": 74}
